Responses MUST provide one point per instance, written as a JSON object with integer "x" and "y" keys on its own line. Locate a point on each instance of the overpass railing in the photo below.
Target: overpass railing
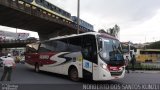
{"x": 16, "y": 41}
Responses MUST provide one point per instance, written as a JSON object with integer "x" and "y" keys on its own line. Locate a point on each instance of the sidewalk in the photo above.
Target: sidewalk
{"x": 144, "y": 71}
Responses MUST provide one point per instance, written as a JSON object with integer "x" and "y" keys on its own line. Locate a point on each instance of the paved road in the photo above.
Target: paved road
{"x": 24, "y": 78}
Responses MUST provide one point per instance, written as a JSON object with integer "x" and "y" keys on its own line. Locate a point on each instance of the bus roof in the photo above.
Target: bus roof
{"x": 87, "y": 33}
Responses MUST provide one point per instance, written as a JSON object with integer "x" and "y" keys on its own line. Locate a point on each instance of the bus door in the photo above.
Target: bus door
{"x": 89, "y": 53}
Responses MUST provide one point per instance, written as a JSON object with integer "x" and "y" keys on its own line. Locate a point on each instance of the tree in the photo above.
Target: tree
{"x": 155, "y": 45}
{"x": 114, "y": 31}
{"x": 102, "y": 31}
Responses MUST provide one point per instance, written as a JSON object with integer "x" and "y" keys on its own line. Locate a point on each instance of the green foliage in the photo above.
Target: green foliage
{"x": 155, "y": 45}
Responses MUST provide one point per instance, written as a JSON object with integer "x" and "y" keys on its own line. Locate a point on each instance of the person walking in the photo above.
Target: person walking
{"x": 9, "y": 64}
{"x": 127, "y": 63}
{"x": 133, "y": 61}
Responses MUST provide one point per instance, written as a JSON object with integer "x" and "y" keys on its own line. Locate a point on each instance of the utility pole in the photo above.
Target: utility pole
{"x": 78, "y": 12}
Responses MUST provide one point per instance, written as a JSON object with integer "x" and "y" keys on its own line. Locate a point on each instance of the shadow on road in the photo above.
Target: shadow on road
{"x": 82, "y": 81}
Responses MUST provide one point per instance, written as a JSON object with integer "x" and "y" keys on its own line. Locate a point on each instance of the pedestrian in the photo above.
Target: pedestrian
{"x": 9, "y": 64}
{"x": 127, "y": 64}
{"x": 133, "y": 61}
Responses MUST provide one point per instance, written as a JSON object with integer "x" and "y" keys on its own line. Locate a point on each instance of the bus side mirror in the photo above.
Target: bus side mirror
{"x": 100, "y": 50}
{"x": 100, "y": 44}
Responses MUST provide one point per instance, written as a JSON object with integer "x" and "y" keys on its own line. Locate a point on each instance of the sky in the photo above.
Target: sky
{"x": 139, "y": 20}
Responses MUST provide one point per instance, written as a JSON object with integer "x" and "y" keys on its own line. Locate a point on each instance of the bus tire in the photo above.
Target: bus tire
{"x": 37, "y": 67}
{"x": 73, "y": 74}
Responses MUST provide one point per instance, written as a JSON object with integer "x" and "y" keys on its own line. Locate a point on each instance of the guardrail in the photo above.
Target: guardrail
{"x": 146, "y": 66}
{"x": 151, "y": 65}
{"x": 16, "y": 41}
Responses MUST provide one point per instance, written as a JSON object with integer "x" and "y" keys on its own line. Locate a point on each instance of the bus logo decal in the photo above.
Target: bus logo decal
{"x": 44, "y": 57}
{"x": 86, "y": 65}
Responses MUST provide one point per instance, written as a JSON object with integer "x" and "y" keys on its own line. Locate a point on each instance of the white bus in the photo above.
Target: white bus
{"x": 92, "y": 55}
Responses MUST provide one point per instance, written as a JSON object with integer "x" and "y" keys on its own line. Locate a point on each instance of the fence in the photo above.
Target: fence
{"x": 146, "y": 66}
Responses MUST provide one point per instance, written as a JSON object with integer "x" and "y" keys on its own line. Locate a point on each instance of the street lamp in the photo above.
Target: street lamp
{"x": 78, "y": 11}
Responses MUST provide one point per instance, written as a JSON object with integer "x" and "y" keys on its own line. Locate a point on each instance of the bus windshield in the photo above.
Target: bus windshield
{"x": 111, "y": 50}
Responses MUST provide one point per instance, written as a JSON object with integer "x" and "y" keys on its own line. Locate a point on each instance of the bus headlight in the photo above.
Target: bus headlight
{"x": 103, "y": 66}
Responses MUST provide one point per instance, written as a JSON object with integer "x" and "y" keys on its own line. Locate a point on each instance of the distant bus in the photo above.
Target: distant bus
{"x": 89, "y": 55}
{"x": 148, "y": 55}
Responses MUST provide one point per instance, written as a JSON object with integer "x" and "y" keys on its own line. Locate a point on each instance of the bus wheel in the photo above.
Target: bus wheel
{"x": 73, "y": 74}
{"x": 37, "y": 68}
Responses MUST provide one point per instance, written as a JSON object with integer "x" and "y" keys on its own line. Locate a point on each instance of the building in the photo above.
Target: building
{"x": 6, "y": 35}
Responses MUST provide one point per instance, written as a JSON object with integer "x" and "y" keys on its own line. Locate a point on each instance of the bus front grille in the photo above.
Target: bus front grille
{"x": 116, "y": 73}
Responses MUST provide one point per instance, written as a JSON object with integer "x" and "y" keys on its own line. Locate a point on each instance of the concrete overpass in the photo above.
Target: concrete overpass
{"x": 18, "y": 14}
{"x": 15, "y": 43}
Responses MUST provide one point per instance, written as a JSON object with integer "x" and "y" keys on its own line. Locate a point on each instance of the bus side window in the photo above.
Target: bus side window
{"x": 60, "y": 45}
{"x": 74, "y": 44}
{"x": 45, "y": 47}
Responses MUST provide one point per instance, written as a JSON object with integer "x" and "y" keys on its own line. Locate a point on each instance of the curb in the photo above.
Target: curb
{"x": 153, "y": 72}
